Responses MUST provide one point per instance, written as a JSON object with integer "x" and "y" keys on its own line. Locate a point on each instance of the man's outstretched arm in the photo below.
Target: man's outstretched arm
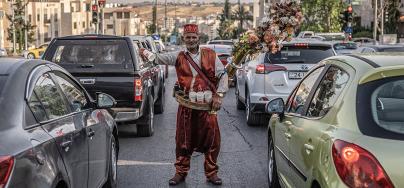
{"x": 168, "y": 58}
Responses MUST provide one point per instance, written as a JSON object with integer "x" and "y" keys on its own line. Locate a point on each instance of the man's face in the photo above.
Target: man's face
{"x": 191, "y": 40}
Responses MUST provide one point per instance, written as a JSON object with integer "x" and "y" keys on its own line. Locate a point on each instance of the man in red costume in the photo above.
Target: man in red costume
{"x": 196, "y": 130}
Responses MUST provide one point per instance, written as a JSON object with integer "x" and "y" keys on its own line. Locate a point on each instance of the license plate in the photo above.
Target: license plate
{"x": 296, "y": 75}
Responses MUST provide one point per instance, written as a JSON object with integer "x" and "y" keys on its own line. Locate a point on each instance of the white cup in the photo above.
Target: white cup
{"x": 192, "y": 96}
{"x": 199, "y": 97}
{"x": 208, "y": 96}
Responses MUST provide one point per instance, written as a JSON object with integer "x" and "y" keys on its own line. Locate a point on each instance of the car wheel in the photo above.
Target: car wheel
{"x": 273, "y": 180}
{"x": 113, "y": 166}
{"x": 159, "y": 106}
{"x": 239, "y": 104}
{"x": 253, "y": 118}
{"x": 30, "y": 56}
{"x": 145, "y": 127}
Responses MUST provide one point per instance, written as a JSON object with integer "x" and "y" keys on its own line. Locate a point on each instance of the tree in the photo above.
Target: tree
{"x": 20, "y": 26}
{"x": 241, "y": 15}
{"x": 392, "y": 15}
{"x": 151, "y": 28}
{"x": 226, "y": 29}
{"x": 322, "y": 15}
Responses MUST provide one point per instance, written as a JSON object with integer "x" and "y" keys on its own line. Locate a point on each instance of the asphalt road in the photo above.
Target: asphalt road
{"x": 148, "y": 162}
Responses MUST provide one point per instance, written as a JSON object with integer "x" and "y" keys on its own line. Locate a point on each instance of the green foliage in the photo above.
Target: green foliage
{"x": 20, "y": 26}
{"x": 241, "y": 15}
{"x": 151, "y": 28}
{"x": 204, "y": 38}
{"x": 322, "y": 15}
{"x": 226, "y": 29}
{"x": 391, "y": 25}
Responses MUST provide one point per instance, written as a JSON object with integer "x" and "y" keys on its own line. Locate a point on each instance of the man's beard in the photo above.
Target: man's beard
{"x": 193, "y": 46}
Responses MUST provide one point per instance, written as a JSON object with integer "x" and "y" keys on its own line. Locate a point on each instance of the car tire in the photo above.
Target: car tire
{"x": 273, "y": 179}
{"x": 113, "y": 166}
{"x": 159, "y": 105}
{"x": 30, "y": 56}
{"x": 240, "y": 105}
{"x": 145, "y": 127}
{"x": 253, "y": 119}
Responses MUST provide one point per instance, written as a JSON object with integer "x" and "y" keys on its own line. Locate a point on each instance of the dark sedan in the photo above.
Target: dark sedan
{"x": 52, "y": 133}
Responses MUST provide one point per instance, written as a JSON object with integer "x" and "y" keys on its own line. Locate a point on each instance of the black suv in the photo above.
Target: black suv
{"x": 112, "y": 65}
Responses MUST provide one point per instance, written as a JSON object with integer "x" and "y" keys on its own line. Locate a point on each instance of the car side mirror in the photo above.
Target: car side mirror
{"x": 275, "y": 106}
{"x": 105, "y": 101}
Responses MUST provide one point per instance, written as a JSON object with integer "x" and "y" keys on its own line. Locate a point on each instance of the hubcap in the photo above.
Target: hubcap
{"x": 113, "y": 160}
{"x": 270, "y": 161}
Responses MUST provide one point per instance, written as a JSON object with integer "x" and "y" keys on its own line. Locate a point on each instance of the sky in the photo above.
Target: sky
{"x": 161, "y": 1}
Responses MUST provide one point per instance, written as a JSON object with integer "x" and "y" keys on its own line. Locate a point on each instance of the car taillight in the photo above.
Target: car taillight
{"x": 138, "y": 90}
{"x": 357, "y": 167}
{"x": 6, "y": 165}
{"x": 302, "y": 44}
{"x": 264, "y": 68}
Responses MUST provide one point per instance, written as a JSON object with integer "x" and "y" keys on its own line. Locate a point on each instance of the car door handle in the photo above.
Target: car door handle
{"x": 66, "y": 144}
{"x": 288, "y": 135}
{"x": 91, "y": 133}
{"x": 309, "y": 147}
{"x": 86, "y": 66}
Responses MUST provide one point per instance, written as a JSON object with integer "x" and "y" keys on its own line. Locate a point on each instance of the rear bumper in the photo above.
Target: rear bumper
{"x": 125, "y": 114}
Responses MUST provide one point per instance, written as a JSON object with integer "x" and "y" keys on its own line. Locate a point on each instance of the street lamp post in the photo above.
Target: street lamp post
{"x": 375, "y": 22}
{"x": 13, "y": 26}
{"x": 26, "y": 27}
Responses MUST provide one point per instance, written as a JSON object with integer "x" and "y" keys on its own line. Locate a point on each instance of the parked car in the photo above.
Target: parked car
{"x": 222, "y": 51}
{"x": 224, "y": 42}
{"x": 268, "y": 76}
{"x": 112, "y": 65}
{"x": 332, "y": 36}
{"x": 364, "y": 41}
{"x": 3, "y": 52}
{"x": 305, "y": 34}
{"x": 150, "y": 44}
{"x": 381, "y": 48}
{"x": 53, "y": 134}
{"x": 343, "y": 47}
{"x": 342, "y": 126}
{"x": 35, "y": 53}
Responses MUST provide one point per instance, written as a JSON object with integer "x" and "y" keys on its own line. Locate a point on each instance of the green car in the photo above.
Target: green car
{"x": 342, "y": 126}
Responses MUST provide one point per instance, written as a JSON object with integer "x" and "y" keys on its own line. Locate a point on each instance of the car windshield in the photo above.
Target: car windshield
{"x": 330, "y": 37}
{"x": 380, "y": 108}
{"x": 222, "y": 42}
{"x": 345, "y": 46}
{"x": 223, "y": 50}
{"x": 296, "y": 54}
{"x": 91, "y": 52}
{"x": 388, "y": 106}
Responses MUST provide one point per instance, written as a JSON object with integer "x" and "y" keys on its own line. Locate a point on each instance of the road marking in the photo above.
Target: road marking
{"x": 133, "y": 163}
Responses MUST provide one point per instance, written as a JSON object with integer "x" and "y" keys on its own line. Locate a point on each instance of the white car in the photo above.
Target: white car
{"x": 268, "y": 76}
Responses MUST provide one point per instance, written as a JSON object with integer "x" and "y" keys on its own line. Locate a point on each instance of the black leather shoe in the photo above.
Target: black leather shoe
{"x": 215, "y": 180}
{"x": 177, "y": 179}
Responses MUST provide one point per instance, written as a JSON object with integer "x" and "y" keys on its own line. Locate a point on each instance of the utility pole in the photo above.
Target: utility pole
{"x": 13, "y": 25}
{"x": 155, "y": 16}
{"x": 375, "y": 22}
{"x": 382, "y": 22}
{"x": 26, "y": 27}
{"x": 165, "y": 14}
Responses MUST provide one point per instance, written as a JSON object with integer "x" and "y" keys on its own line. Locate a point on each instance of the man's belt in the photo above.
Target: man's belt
{"x": 184, "y": 100}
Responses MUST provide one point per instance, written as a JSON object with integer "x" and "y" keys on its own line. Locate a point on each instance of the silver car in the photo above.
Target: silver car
{"x": 268, "y": 76}
{"x": 3, "y": 52}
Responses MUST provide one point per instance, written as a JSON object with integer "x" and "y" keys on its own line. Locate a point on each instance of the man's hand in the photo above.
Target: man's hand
{"x": 141, "y": 50}
{"x": 216, "y": 102}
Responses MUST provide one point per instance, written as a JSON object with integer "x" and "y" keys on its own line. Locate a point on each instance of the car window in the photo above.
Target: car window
{"x": 328, "y": 91}
{"x": 387, "y": 103}
{"x": 91, "y": 52}
{"x": 393, "y": 49}
{"x": 303, "y": 91}
{"x": 74, "y": 94}
{"x": 50, "y": 97}
{"x": 343, "y": 46}
{"x": 300, "y": 54}
{"x": 37, "y": 108}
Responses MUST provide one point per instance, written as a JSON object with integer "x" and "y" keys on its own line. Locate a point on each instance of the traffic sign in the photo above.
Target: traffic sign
{"x": 348, "y": 30}
{"x": 101, "y": 3}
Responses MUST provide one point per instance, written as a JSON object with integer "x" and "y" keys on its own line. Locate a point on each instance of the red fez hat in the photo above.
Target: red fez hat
{"x": 190, "y": 28}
